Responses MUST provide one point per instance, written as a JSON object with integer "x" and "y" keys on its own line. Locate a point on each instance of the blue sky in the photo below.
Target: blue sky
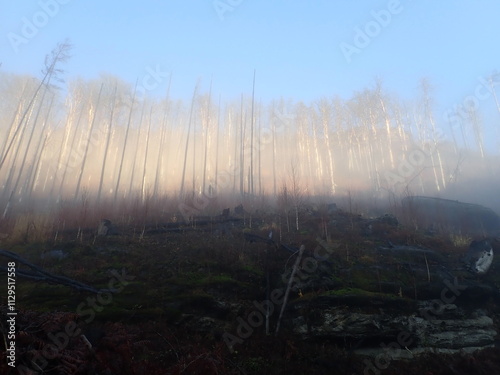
{"x": 294, "y": 46}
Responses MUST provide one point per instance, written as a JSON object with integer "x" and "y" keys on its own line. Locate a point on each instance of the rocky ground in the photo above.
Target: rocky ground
{"x": 368, "y": 296}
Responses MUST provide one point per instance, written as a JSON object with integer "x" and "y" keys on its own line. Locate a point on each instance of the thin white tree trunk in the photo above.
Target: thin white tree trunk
{"x": 89, "y": 140}
{"x": 120, "y": 169}
{"x": 289, "y": 286}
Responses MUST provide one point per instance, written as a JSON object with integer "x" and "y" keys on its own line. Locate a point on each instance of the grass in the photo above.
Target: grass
{"x": 349, "y": 292}
{"x": 180, "y": 277}
{"x": 460, "y": 240}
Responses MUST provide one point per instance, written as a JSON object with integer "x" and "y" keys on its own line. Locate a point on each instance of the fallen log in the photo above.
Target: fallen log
{"x": 38, "y": 274}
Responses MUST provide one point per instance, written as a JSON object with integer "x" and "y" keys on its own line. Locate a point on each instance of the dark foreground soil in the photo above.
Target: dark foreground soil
{"x": 179, "y": 291}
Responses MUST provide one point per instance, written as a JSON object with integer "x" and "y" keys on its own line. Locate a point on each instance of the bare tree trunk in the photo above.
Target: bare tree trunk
{"x": 252, "y": 124}
{"x": 159, "y": 164}
{"x": 15, "y": 120}
{"x": 476, "y": 127}
{"x": 387, "y": 123}
{"x": 159, "y": 159}
{"x": 14, "y": 158}
{"x": 136, "y": 152}
{"x": 31, "y": 180}
{"x": 36, "y": 172}
{"x": 89, "y": 140}
{"x": 296, "y": 193}
{"x": 28, "y": 148}
{"x": 106, "y": 147}
{"x": 273, "y": 129}
{"x": 428, "y": 114}
{"x": 319, "y": 163}
{"x": 325, "y": 117}
{"x": 242, "y": 148}
{"x": 59, "y": 54}
{"x": 309, "y": 169}
{"x": 235, "y": 177}
{"x": 120, "y": 169}
{"x": 63, "y": 148}
{"x": 69, "y": 162}
{"x": 217, "y": 147}
{"x": 206, "y": 121}
{"x": 259, "y": 151}
{"x": 289, "y": 286}
{"x": 187, "y": 141}
{"x": 143, "y": 187}
{"x": 193, "y": 188}
{"x": 13, "y": 169}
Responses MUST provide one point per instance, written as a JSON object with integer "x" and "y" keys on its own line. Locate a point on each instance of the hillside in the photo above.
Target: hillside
{"x": 370, "y": 295}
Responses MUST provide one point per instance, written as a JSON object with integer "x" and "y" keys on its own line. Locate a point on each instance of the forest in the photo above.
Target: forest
{"x": 197, "y": 208}
{"x": 106, "y": 143}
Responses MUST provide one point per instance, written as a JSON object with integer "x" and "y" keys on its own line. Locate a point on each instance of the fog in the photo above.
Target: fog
{"x": 105, "y": 143}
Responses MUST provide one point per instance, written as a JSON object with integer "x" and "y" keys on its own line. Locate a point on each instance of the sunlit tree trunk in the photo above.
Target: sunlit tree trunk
{"x": 387, "y": 123}
{"x": 70, "y": 161}
{"x": 193, "y": 178}
{"x": 259, "y": 154}
{"x": 183, "y": 179}
{"x": 217, "y": 147}
{"x": 93, "y": 115}
{"x": 58, "y": 55}
{"x": 273, "y": 129}
{"x": 206, "y": 132}
{"x": 71, "y": 106}
{"x": 106, "y": 147}
{"x": 242, "y": 148}
{"x": 17, "y": 190}
{"x": 136, "y": 152}
{"x": 475, "y": 121}
{"x": 308, "y": 146}
{"x": 252, "y": 125}
{"x": 145, "y": 164}
{"x": 159, "y": 159}
{"x": 325, "y": 116}
{"x": 29, "y": 186}
{"x": 15, "y": 120}
{"x": 37, "y": 169}
{"x": 319, "y": 163}
{"x": 236, "y": 158}
{"x": 10, "y": 189}
{"x": 439, "y": 173}
{"x": 120, "y": 169}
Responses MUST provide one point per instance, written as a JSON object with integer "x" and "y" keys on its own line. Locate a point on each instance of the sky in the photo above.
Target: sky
{"x": 299, "y": 50}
